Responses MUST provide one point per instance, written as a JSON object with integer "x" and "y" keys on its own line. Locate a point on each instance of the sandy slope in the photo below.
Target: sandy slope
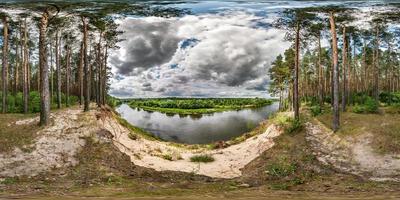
{"x": 57, "y": 145}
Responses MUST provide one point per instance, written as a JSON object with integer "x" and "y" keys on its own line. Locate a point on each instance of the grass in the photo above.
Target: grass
{"x": 202, "y": 158}
{"x": 384, "y": 127}
{"x": 287, "y": 165}
{"x": 13, "y": 136}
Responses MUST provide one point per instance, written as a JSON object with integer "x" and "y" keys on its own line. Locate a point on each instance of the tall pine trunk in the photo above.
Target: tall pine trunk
{"x": 67, "y": 75}
{"x": 336, "y": 122}
{"x": 376, "y": 65}
{"x": 25, "y": 70}
{"x": 296, "y": 74}
{"x": 58, "y": 70}
{"x": 85, "y": 65}
{"x": 104, "y": 77}
{"x": 320, "y": 87}
{"x": 5, "y": 64}
{"x": 344, "y": 66}
{"x": 80, "y": 76}
{"x": 44, "y": 74}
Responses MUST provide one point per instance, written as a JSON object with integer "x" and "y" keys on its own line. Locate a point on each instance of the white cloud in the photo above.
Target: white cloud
{"x": 215, "y": 55}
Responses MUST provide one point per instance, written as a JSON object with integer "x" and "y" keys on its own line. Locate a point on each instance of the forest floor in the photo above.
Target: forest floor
{"x": 79, "y": 156}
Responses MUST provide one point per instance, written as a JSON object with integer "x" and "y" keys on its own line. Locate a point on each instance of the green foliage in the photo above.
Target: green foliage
{"x": 16, "y": 104}
{"x": 203, "y": 103}
{"x": 389, "y": 97}
{"x": 293, "y": 126}
{"x": 202, "y": 158}
{"x": 112, "y": 101}
{"x": 281, "y": 169}
{"x": 289, "y": 124}
{"x": 315, "y": 110}
{"x": 368, "y": 106}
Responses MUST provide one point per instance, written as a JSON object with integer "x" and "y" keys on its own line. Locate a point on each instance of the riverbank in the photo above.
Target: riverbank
{"x": 90, "y": 155}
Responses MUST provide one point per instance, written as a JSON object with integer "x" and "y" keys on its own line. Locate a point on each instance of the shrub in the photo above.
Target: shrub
{"x": 293, "y": 126}
{"x": 167, "y": 157}
{"x": 202, "y": 158}
{"x": 281, "y": 169}
{"x": 369, "y": 106}
{"x": 315, "y": 110}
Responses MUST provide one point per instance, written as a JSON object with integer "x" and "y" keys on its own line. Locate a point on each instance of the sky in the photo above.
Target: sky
{"x": 220, "y": 49}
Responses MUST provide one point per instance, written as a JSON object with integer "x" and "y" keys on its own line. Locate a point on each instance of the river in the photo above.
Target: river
{"x": 197, "y": 129}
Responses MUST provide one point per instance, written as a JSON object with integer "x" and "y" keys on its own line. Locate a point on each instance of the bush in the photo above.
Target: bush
{"x": 369, "y": 106}
{"x": 389, "y": 98}
{"x": 315, "y": 110}
{"x": 293, "y": 126}
{"x": 281, "y": 169}
{"x": 202, "y": 158}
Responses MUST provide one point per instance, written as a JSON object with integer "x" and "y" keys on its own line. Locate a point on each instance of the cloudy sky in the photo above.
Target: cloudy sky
{"x": 222, "y": 49}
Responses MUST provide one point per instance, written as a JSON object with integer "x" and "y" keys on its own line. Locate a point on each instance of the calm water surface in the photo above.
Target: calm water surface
{"x": 197, "y": 129}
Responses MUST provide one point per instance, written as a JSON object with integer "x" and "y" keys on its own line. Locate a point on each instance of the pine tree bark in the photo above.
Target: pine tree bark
{"x": 344, "y": 68}
{"x": 320, "y": 87}
{"x": 68, "y": 79}
{"x": 376, "y": 65}
{"x": 25, "y": 72}
{"x": 85, "y": 65}
{"x": 104, "y": 77}
{"x": 58, "y": 70}
{"x": 44, "y": 76}
{"x": 80, "y": 76}
{"x": 5, "y": 64}
{"x": 336, "y": 122}
{"x": 296, "y": 74}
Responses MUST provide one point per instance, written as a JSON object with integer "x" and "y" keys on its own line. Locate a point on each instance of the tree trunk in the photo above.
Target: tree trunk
{"x": 320, "y": 88}
{"x": 67, "y": 71}
{"x": 376, "y": 65}
{"x": 336, "y": 122}
{"x": 344, "y": 65}
{"x": 296, "y": 75}
{"x": 104, "y": 77}
{"x": 58, "y": 69}
{"x": 51, "y": 73}
{"x": 85, "y": 65}
{"x": 44, "y": 74}
{"x": 5, "y": 64}
{"x": 80, "y": 76}
{"x": 25, "y": 70}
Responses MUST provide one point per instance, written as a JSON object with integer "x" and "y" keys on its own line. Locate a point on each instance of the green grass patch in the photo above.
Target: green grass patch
{"x": 202, "y": 158}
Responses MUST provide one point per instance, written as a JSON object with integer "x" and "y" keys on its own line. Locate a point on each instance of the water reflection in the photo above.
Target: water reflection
{"x": 197, "y": 129}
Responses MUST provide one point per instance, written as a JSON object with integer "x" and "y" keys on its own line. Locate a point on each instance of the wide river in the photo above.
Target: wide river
{"x": 197, "y": 129}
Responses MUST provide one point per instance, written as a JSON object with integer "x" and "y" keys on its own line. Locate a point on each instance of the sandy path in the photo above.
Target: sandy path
{"x": 352, "y": 154}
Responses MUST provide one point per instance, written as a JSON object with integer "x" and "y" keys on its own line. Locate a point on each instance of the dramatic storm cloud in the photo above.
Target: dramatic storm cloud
{"x": 146, "y": 44}
{"x": 224, "y": 54}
